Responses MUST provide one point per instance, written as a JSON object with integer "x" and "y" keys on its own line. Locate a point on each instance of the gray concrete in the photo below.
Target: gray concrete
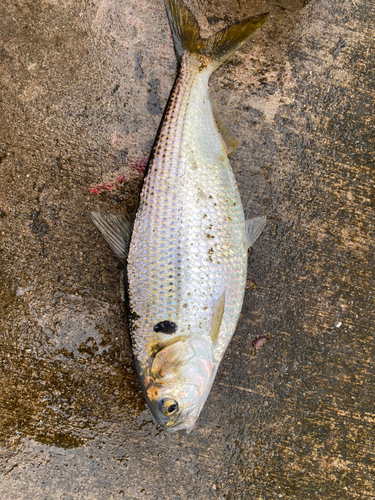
{"x": 83, "y": 86}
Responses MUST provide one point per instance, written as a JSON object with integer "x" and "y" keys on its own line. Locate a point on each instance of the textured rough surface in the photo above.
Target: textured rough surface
{"x": 83, "y": 86}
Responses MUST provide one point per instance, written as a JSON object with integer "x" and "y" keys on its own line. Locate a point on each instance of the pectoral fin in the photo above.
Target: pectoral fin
{"x": 217, "y": 317}
{"x": 116, "y": 230}
{"x": 253, "y": 229}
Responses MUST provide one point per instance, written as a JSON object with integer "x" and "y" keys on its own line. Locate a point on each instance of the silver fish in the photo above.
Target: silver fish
{"x": 187, "y": 258}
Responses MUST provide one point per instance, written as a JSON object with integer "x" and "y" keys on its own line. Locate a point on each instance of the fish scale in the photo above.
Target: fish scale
{"x": 187, "y": 258}
{"x": 189, "y": 181}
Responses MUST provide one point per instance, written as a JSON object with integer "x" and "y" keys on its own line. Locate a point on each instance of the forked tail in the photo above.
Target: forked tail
{"x": 218, "y": 47}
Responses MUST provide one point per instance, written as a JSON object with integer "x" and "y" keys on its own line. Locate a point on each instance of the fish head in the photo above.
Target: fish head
{"x": 178, "y": 383}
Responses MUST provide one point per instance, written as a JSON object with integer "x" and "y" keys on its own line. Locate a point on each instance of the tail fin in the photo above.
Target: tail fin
{"x": 218, "y": 47}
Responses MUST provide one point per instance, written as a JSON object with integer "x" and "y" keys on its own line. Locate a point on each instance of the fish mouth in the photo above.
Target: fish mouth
{"x": 180, "y": 426}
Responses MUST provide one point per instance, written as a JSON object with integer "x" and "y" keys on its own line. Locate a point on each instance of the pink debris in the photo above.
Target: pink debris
{"x": 121, "y": 178}
{"x": 139, "y": 166}
{"x": 259, "y": 342}
{"x": 106, "y": 186}
{"x": 119, "y": 140}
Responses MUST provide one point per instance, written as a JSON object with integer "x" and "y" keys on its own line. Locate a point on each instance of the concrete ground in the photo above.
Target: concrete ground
{"x": 83, "y": 87}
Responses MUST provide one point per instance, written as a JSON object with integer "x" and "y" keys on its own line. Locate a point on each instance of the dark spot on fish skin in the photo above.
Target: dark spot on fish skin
{"x": 203, "y": 64}
{"x": 167, "y": 327}
{"x": 132, "y": 318}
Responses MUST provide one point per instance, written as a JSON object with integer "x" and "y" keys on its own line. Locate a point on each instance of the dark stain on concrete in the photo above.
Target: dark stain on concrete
{"x": 138, "y": 71}
{"x": 153, "y": 102}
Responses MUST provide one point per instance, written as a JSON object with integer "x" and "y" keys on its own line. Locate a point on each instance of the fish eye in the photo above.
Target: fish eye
{"x": 172, "y": 408}
{"x": 168, "y": 406}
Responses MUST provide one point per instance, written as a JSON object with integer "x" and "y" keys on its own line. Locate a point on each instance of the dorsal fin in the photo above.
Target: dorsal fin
{"x": 231, "y": 141}
{"x": 218, "y": 47}
{"x": 116, "y": 230}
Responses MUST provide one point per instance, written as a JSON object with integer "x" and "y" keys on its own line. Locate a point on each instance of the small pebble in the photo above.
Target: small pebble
{"x": 259, "y": 342}
{"x": 338, "y": 324}
{"x": 250, "y": 285}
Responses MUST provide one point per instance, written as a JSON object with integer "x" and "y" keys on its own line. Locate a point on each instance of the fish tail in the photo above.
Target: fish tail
{"x": 218, "y": 47}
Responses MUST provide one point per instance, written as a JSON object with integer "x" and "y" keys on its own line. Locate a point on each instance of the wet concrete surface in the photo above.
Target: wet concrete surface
{"x": 83, "y": 87}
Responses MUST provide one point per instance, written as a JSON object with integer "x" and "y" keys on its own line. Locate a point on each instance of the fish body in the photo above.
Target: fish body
{"x": 187, "y": 258}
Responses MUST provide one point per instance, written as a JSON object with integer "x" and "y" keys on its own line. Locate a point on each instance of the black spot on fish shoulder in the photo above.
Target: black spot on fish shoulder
{"x": 167, "y": 327}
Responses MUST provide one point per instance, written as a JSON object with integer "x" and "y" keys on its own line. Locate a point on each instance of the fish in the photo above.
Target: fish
{"x": 185, "y": 249}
